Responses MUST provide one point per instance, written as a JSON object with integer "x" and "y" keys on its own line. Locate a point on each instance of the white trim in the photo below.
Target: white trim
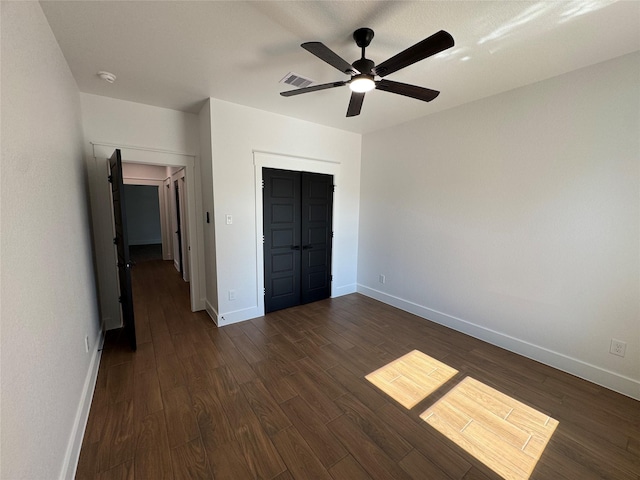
{"x": 151, "y": 156}
{"x": 212, "y": 312}
{"x": 598, "y": 375}
{"x": 344, "y": 290}
{"x": 144, "y": 179}
{"x": 238, "y": 316}
{"x": 284, "y": 162}
{"x": 136, "y": 147}
{"x": 295, "y": 158}
{"x": 72, "y": 455}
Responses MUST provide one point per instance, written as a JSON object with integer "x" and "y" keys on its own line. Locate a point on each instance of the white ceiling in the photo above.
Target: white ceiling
{"x": 176, "y": 54}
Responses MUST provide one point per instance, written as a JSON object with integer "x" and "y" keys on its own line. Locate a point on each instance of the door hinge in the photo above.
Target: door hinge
{"x": 331, "y": 234}
{"x": 263, "y": 239}
{"x": 110, "y": 178}
{"x": 333, "y": 188}
{"x": 263, "y": 184}
{"x": 264, "y": 292}
{"x": 120, "y": 299}
{"x": 331, "y": 277}
{"x": 115, "y": 240}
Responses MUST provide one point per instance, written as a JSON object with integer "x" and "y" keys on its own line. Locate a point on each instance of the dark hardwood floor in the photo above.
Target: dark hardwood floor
{"x": 284, "y": 396}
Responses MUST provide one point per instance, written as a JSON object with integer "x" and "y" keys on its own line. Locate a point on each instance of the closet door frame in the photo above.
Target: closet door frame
{"x": 287, "y": 162}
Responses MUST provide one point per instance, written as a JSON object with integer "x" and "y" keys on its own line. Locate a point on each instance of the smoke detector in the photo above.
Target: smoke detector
{"x": 107, "y": 76}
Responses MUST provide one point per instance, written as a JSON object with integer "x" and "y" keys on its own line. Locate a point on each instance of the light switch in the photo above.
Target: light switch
{"x": 229, "y": 219}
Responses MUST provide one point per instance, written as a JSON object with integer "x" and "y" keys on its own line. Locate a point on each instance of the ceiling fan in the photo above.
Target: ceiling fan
{"x": 364, "y": 71}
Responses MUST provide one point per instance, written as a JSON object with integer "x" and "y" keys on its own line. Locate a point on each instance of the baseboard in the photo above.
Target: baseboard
{"x": 200, "y": 304}
{"x": 237, "y": 316}
{"x": 598, "y": 375}
{"x": 344, "y": 290}
{"x": 82, "y": 414}
{"x": 213, "y": 313}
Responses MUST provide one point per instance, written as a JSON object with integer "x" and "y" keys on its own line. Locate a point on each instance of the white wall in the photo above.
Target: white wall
{"x": 49, "y": 301}
{"x": 206, "y": 179}
{"x": 516, "y": 219}
{"x": 133, "y": 124}
{"x": 129, "y": 124}
{"x": 237, "y": 132}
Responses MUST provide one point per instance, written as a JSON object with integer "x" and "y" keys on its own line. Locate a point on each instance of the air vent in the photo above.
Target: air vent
{"x": 296, "y": 80}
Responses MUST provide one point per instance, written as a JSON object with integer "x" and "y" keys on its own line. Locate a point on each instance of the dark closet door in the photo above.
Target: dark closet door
{"x": 282, "y": 248}
{"x": 122, "y": 247}
{"x": 297, "y": 209}
{"x": 316, "y": 212}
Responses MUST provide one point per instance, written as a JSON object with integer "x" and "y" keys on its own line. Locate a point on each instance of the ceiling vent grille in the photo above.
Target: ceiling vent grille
{"x": 296, "y": 80}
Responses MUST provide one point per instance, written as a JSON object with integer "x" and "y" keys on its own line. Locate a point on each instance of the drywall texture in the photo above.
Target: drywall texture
{"x": 48, "y": 293}
{"x": 516, "y": 219}
{"x": 122, "y": 123}
{"x": 238, "y": 131}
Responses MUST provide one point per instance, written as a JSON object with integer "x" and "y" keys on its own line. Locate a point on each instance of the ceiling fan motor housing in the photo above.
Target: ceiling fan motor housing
{"x": 364, "y": 65}
{"x": 363, "y": 37}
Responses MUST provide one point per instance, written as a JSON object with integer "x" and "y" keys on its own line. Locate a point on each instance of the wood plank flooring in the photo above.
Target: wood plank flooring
{"x": 285, "y": 396}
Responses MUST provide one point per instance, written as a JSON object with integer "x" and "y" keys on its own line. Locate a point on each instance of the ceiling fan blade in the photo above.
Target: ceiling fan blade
{"x": 436, "y": 43}
{"x": 313, "y": 88}
{"x": 355, "y": 104}
{"x": 413, "y": 91}
{"x": 325, "y": 54}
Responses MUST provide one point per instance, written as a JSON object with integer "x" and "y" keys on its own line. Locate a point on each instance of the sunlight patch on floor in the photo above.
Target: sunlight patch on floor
{"x": 411, "y": 378}
{"x": 504, "y": 434}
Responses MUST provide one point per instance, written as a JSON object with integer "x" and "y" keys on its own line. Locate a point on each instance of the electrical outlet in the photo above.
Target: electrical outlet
{"x": 381, "y": 278}
{"x": 618, "y": 347}
{"x": 232, "y": 294}
{"x": 86, "y": 343}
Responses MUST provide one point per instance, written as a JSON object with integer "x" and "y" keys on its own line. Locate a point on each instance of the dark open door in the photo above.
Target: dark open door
{"x": 122, "y": 246}
{"x": 179, "y": 230}
{"x": 297, "y": 216}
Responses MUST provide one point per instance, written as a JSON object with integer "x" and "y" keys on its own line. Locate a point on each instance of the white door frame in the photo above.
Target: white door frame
{"x": 180, "y": 177}
{"x": 285, "y": 162}
{"x": 148, "y": 156}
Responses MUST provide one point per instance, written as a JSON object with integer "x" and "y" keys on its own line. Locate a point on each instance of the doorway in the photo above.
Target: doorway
{"x": 297, "y": 228}
{"x": 103, "y": 222}
{"x": 144, "y": 221}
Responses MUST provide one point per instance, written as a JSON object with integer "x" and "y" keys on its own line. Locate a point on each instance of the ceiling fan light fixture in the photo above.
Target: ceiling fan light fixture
{"x": 362, "y": 83}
